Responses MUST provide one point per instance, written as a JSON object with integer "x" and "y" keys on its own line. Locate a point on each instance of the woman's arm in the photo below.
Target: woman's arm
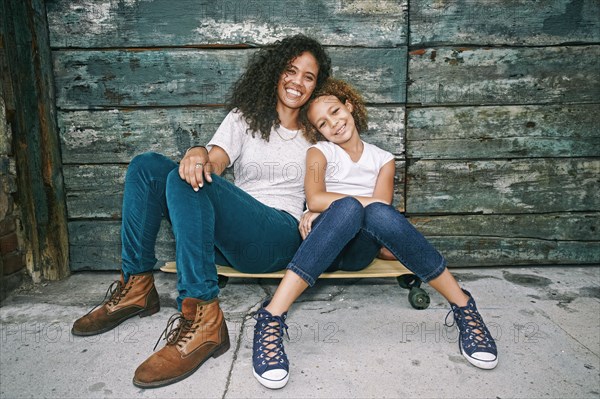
{"x": 318, "y": 198}
{"x": 214, "y": 161}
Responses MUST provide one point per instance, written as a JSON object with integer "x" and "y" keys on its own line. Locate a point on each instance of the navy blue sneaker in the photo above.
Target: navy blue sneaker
{"x": 475, "y": 341}
{"x": 269, "y": 361}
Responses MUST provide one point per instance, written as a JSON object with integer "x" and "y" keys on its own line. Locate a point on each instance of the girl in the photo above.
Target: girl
{"x": 349, "y": 189}
{"x": 251, "y": 225}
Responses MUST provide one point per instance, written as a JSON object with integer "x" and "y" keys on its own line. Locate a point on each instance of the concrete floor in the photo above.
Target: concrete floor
{"x": 348, "y": 339}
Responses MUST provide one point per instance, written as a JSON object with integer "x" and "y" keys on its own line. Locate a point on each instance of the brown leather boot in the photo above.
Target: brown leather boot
{"x": 200, "y": 334}
{"x": 136, "y": 297}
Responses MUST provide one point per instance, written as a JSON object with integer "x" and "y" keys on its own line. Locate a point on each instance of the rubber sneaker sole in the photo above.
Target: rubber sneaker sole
{"x": 482, "y": 364}
{"x": 272, "y": 384}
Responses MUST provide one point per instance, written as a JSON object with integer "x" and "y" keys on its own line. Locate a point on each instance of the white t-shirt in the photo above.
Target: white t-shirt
{"x": 345, "y": 176}
{"x": 273, "y": 171}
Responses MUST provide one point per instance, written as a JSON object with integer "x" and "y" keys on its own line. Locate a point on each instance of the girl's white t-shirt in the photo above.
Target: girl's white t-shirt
{"x": 273, "y": 171}
{"x": 345, "y": 176}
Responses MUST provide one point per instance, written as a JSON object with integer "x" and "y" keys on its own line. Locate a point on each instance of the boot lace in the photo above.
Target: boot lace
{"x": 115, "y": 292}
{"x": 178, "y": 331}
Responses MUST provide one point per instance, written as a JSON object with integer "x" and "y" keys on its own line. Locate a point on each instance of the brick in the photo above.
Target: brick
{"x": 8, "y": 225}
{"x": 9, "y": 243}
{"x": 13, "y": 262}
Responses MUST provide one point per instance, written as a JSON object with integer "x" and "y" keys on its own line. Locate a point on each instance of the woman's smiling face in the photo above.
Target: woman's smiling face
{"x": 298, "y": 81}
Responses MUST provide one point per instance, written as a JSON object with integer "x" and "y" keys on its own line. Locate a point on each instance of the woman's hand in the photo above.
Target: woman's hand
{"x": 306, "y": 221}
{"x": 195, "y": 167}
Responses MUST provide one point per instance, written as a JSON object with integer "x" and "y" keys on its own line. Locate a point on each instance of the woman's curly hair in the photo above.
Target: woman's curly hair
{"x": 255, "y": 92}
{"x": 344, "y": 92}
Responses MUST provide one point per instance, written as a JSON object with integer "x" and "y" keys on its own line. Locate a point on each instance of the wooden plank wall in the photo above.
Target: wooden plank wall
{"x": 27, "y": 81}
{"x": 491, "y": 107}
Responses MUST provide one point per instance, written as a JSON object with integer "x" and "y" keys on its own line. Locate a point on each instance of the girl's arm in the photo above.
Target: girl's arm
{"x": 384, "y": 188}
{"x": 318, "y": 198}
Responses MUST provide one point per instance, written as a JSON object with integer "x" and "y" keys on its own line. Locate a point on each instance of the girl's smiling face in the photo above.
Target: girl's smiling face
{"x": 332, "y": 118}
{"x": 298, "y": 81}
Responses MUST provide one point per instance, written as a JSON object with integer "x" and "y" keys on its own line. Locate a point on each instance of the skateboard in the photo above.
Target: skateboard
{"x": 417, "y": 297}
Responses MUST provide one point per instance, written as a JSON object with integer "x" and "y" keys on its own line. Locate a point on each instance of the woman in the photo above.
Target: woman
{"x": 251, "y": 225}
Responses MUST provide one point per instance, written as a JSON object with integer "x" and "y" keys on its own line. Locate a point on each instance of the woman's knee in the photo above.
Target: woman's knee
{"x": 150, "y": 164}
{"x": 175, "y": 183}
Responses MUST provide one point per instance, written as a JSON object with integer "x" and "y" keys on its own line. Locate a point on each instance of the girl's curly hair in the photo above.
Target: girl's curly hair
{"x": 255, "y": 92}
{"x": 344, "y": 92}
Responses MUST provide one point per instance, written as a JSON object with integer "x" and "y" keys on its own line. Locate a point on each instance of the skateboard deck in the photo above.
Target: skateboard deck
{"x": 417, "y": 297}
{"x": 377, "y": 268}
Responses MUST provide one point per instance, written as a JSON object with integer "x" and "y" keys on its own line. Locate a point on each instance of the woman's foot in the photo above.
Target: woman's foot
{"x": 270, "y": 363}
{"x": 475, "y": 341}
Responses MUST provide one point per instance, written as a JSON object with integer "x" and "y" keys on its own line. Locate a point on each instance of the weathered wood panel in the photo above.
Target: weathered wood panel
{"x": 144, "y": 23}
{"x": 465, "y": 76}
{"x": 486, "y": 251}
{"x": 182, "y": 77}
{"x": 503, "y": 186}
{"x": 502, "y": 22}
{"x": 96, "y": 191}
{"x": 41, "y": 202}
{"x": 115, "y": 136}
{"x": 96, "y": 245}
{"x": 557, "y": 226}
{"x": 504, "y": 132}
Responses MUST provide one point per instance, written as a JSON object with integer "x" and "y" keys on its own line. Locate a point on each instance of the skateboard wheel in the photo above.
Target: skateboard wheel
{"x": 418, "y": 298}
{"x": 222, "y": 281}
{"x": 408, "y": 281}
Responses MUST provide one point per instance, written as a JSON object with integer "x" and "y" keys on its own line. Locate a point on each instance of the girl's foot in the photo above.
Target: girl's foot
{"x": 270, "y": 363}
{"x": 475, "y": 341}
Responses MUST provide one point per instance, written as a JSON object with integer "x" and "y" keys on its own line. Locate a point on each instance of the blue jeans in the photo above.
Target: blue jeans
{"x": 219, "y": 224}
{"x": 348, "y": 236}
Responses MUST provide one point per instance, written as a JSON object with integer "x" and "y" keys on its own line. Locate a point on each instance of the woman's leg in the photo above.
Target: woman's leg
{"x": 144, "y": 205}
{"x": 251, "y": 236}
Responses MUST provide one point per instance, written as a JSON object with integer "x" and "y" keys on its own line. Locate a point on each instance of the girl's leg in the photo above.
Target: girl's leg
{"x": 331, "y": 232}
{"x": 251, "y": 236}
{"x": 391, "y": 229}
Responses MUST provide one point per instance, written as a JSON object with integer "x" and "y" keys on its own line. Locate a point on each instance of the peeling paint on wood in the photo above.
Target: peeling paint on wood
{"x": 502, "y": 146}
{"x": 503, "y": 186}
{"x": 512, "y": 22}
{"x": 143, "y": 23}
{"x": 116, "y": 136}
{"x": 557, "y": 226}
{"x": 504, "y": 132}
{"x": 479, "y": 76}
{"x": 485, "y": 251}
{"x": 96, "y": 245}
{"x": 183, "y": 77}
